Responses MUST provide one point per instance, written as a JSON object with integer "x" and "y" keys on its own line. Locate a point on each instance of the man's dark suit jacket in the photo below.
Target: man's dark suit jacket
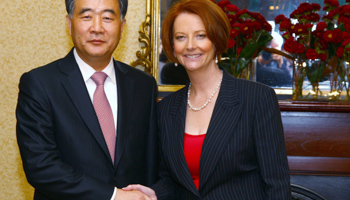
{"x": 61, "y": 143}
{"x": 243, "y": 154}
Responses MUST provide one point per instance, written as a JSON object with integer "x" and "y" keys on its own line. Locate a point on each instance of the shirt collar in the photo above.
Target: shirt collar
{"x": 87, "y": 71}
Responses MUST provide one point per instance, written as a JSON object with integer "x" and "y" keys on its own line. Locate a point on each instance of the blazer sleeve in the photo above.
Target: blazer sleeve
{"x": 165, "y": 187}
{"x": 270, "y": 147}
{"x": 44, "y": 168}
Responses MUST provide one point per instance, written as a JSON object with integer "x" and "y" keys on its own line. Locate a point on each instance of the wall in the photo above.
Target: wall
{"x": 32, "y": 34}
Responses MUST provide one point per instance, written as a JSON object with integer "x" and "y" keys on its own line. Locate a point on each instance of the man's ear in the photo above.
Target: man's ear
{"x": 69, "y": 23}
{"x": 122, "y": 28}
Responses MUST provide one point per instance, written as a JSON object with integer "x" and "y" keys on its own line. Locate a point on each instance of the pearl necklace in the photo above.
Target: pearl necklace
{"x": 206, "y": 103}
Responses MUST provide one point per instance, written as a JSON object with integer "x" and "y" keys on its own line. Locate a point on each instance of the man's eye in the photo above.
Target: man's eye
{"x": 86, "y": 17}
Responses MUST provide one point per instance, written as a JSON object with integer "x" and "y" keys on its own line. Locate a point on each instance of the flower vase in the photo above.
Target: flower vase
{"x": 339, "y": 82}
{"x": 247, "y": 71}
{"x": 298, "y": 79}
{"x": 307, "y": 76}
{"x": 346, "y": 81}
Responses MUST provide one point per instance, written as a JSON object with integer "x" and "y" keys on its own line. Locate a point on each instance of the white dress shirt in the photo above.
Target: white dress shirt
{"x": 110, "y": 87}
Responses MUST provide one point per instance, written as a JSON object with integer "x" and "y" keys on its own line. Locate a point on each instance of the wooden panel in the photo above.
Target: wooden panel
{"x": 317, "y": 134}
{"x": 319, "y": 165}
{"x": 317, "y": 137}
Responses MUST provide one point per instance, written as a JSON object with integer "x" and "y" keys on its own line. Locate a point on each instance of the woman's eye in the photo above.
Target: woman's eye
{"x": 201, "y": 36}
{"x": 179, "y": 37}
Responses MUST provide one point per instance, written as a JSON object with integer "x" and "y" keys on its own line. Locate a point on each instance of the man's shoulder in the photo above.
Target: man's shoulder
{"x": 132, "y": 71}
{"x": 50, "y": 68}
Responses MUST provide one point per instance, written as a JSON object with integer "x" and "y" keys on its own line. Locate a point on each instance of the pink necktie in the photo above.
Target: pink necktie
{"x": 104, "y": 112}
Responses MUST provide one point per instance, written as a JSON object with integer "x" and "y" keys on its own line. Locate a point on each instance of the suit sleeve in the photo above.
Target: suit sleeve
{"x": 152, "y": 143}
{"x": 43, "y": 166}
{"x": 165, "y": 187}
{"x": 270, "y": 147}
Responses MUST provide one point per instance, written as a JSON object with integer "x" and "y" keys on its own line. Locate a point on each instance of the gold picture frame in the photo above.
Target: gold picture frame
{"x": 148, "y": 57}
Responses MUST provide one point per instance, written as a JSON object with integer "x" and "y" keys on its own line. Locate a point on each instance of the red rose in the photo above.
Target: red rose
{"x": 285, "y": 25}
{"x": 338, "y": 36}
{"x": 242, "y": 12}
{"x": 305, "y": 7}
{"x": 281, "y": 18}
{"x": 340, "y": 52}
{"x": 318, "y": 33}
{"x": 234, "y": 33}
{"x": 290, "y": 45}
{"x": 232, "y": 8}
{"x": 311, "y": 54}
{"x": 256, "y": 26}
{"x": 346, "y": 43}
{"x": 266, "y": 26}
{"x": 314, "y": 17}
{"x": 328, "y": 36}
{"x": 347, "y": 26}
{"x": 324, "y": 44}
{"x": 231, "y": 43}
{"x": 343, "y": 19}
{"x": 231, "y": 18}
{"x": 239, "y": 50}
{"x": 333, "y": 3}
{"x": 344, "y": 10}
{"x": 321, "y": 26}
{"x": 300, "y": 48}
{"x": 236, "y": 25}
{"x": 323, "y": 56}
{"x": 301, "y": 29}
{"x": 223, "y": 4}
{"x": 315, "y": 7}
{"x": 246, "y": 28}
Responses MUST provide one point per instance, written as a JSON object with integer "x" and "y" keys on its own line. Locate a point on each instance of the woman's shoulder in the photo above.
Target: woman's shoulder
{"x": 247, "y": 87}
{"x": 173, "y": 97}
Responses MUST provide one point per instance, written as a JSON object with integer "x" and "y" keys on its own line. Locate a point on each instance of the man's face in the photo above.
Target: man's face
{"x": 96, "y": 29}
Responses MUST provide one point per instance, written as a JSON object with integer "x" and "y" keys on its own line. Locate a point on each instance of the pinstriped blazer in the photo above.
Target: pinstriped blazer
{"x": 243, "y": 154}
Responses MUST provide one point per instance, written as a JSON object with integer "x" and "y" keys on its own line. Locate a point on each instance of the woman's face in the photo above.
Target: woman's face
{"x": 192, "y": 47}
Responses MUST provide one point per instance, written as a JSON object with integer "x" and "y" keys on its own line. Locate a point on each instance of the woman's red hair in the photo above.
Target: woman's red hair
{"x": 217, "y": 25}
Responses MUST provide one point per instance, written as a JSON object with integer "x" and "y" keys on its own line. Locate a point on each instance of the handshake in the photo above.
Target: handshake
{"x": 136, "y": 192}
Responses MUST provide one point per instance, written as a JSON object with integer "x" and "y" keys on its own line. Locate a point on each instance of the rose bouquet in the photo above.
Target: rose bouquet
{"x": 320, "y": 46}
{"x": 249, "y": 34}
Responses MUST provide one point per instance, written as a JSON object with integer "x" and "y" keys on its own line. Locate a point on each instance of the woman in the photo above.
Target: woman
{"x": 221, "y": 137}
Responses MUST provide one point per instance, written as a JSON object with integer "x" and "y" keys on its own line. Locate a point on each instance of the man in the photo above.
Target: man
{"x": 273, "y": 69}
{"x": 81, "y": 139}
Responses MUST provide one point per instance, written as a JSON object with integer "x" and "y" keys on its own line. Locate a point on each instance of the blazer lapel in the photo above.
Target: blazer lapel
{"x": 76, "y": 89}
{"x": 125, "y": 85}
{"x": 175, "y": 147}
{"x": 224, "y": 119}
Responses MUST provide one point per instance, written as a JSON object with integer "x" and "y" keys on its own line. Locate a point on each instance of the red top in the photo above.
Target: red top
{"x": 193, "y": 149}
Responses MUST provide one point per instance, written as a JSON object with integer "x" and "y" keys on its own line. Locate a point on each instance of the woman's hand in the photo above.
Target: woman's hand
{"x": 146, "y": 190}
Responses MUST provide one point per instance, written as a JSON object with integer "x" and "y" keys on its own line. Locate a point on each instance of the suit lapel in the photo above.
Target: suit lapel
{"x": 224, "y": 119}
{"x": 76, "y": 89}
{"x": 126, "y": 90}
{"x": 175, "y": 145}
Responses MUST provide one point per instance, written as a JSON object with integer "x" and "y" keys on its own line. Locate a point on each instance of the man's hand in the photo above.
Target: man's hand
{"x": 145, "y": 190}
{"x": 131, "y": 195}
